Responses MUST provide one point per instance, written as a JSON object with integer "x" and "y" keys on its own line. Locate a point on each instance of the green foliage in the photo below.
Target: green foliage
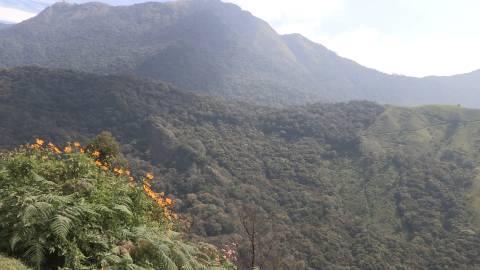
{"x": 106, "y": 144}
{"x": 61, "y": 210}
{"x": 348, "y": 186}
{"x": 109, "y": 149}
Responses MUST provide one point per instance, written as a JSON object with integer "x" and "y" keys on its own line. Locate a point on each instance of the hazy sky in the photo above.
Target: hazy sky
{"x": 411, "y": 37}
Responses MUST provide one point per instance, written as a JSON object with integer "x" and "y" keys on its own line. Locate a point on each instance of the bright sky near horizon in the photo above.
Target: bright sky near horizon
{"x": 410, "y": 37}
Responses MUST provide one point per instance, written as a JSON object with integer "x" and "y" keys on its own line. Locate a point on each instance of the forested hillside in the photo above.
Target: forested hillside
{"x": 329, "y": 186}
{"x": 213, "y": 47}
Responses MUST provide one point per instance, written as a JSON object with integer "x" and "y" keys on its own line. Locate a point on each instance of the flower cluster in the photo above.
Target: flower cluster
{"x": 229, "y": 252}
{"x": 39, "y": 143}
{"x": 160, "y": 199}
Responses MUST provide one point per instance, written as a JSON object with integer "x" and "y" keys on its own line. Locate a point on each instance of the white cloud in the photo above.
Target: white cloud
{"x": 399, "y": 36}
{"x": 282, "y": 13}
{"x": 433, "y": 54}
{"x": 14, "y": 15}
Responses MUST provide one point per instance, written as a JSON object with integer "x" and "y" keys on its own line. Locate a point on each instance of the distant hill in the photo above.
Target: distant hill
{"x": 213, "y": 47}
{"x": 346, "y": 186}
{"x": 347, "y": 80}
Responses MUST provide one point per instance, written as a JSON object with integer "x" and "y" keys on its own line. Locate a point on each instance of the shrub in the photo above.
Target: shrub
{"x": 67, "y": 209}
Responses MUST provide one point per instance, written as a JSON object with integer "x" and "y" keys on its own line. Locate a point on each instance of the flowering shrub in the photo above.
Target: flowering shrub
{"x": 69, "y": 207}
{"x": 229, "y": 252}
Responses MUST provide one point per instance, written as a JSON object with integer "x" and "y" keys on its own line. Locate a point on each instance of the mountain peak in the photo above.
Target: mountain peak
{"x": 72, "y": 10}
{"x": 212, "y": 46}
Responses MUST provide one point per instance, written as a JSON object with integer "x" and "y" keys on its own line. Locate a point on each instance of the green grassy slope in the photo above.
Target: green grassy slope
{"x": 444, "y": 132}
{"x": 428, "y": 128}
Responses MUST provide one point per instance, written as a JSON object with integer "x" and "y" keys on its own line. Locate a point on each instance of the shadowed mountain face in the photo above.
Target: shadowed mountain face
{"x": 214, "y": 47}
{"x": 347, "y": 186}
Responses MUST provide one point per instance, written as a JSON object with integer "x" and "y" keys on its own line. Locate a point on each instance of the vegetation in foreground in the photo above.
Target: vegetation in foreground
{"x": 11, "y": 264}
{"x": 75, "y": 208}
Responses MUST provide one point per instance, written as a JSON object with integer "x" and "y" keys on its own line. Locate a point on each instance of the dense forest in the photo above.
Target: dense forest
{"x": 326, "y": 186}
{"x": 213, "y": 47}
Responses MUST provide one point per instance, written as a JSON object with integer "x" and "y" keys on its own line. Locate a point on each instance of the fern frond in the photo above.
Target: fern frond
{"x": 123, "y": 209}
{"x": 35, "y": 253}
{"x": 124, "y": 200}
{"x": 14, "y": 241}
{"x": 102, "y": 209}
{"x": 42, "y": 180}
{"x": 179, "y": 258}
{"x": 37, "y": 212}
{"x": 58, "y": 199}
{"x": 164, "y": 262}
{"x": 61, "y": 226}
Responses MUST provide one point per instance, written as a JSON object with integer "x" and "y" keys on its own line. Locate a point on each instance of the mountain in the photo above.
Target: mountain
{"x": 349, "y": 80}
{"x": 340, "y": 186}
{"x": 37, "y": 6}
{"x": 206, "y": 45}
{"x": 213, "y": 47}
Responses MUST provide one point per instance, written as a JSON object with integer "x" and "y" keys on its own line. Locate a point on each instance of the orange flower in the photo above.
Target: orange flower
{"x": 35, "y": 146}
{"x": 103, "y": 167}
{"x": 39, "y": 142}
{"x": 168, "y": 201}
{"x": 67, "y": 150}
{"x": 57, "y": 150}
{"x": 98, "y": 163}
{"x": 149, "y": 191}
{"x": 127, "y": 172}
{"x": 96, "y": 153}
{"x": 118, "y": 171}
{"x": 160, "y": 202}
{"x": 150, "y": 176}
{"x": 76, "y": 144}
{"x": 82, "y": 150}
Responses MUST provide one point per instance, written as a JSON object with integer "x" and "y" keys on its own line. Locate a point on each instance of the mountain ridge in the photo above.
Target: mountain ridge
{"x": 213, "y": 47}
